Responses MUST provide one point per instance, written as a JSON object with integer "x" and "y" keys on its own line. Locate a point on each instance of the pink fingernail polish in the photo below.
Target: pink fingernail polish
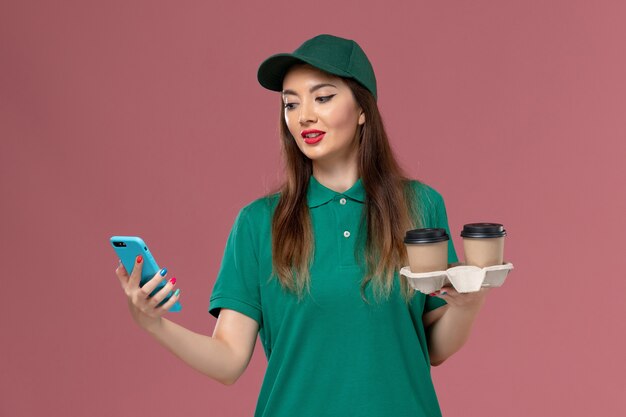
{"x": 173, "y": 281}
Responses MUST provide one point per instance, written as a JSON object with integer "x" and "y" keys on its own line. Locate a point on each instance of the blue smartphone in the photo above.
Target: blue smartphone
{"x": 127, "y": 249}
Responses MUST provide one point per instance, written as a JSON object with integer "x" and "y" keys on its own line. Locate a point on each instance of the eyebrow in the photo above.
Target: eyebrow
{"x": 312, "y": 89}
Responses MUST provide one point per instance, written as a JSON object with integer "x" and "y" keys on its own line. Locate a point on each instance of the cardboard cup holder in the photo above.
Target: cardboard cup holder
{"x": 464, "y": 278}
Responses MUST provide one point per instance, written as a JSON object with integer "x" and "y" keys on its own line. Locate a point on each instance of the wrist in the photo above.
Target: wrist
{"x": 154, "y": 327}
{"x": 468, "y": 307}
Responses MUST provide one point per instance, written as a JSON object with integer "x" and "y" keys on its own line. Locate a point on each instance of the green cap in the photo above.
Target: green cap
{"x": 338, "y": 56}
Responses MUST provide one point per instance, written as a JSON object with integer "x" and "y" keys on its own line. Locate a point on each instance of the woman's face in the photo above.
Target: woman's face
{"x": 321, "y": 114}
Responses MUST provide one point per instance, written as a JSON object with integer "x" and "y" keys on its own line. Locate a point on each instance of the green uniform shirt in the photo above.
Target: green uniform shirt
{"x": 331, "y": 354}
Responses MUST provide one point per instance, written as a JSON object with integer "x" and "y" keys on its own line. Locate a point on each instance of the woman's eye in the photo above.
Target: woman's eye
{"x": 290, "y": 106}
{"x": 324, "y": 99}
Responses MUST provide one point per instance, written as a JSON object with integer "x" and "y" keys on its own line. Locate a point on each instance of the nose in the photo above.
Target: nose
{"x": 307, "y": 114}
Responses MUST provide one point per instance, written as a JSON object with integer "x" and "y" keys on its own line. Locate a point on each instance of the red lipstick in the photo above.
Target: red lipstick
{"x": 312, "y": 136}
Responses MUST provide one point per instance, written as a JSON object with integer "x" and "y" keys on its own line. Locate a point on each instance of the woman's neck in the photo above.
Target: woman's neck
{"x": 337, "y": 177}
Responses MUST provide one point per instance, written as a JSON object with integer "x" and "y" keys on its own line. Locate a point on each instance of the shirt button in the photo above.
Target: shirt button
{"x": 342, "y": 201}
{"x": 346, "y": 234}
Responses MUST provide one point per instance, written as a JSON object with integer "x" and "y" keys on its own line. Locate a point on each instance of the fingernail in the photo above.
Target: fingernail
{"x": 163, "y": 272}
{"x": 176, "y": 292}
{"x": 173, "y": 281}
{"x": 432, "y": 294}
{"x": 443, "y": 293}
{"x": 139, "y": 259}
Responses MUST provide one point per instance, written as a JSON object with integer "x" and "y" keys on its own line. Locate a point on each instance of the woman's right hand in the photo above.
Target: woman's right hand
{"x": 143, "y": 308}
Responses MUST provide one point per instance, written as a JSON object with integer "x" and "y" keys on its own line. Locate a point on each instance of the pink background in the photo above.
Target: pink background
{"x": 145, "y": 118}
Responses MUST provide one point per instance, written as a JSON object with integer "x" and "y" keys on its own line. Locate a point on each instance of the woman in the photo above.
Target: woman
{"x": 313, "y": 267}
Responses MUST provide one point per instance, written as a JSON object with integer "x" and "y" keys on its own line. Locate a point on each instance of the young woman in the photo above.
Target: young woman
{"x": 314, "y": 267}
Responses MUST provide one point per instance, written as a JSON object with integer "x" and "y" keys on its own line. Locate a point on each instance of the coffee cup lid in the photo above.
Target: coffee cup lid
{"x": 426, "y": 236}
{"x": 483, "y": 230}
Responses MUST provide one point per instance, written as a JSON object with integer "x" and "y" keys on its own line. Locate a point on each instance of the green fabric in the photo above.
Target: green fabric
{"x": 335, "y": 55}
{"x": 330, "y": 354}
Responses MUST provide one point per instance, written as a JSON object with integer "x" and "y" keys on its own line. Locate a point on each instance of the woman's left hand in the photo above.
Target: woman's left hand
{"x": 449, "y": 331}
{"x": 468, "y": 300}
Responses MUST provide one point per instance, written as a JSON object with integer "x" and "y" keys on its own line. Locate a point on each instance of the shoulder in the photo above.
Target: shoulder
{"x": 260, "y": 209}
{"x": 429, "y": 208}
{"x": 255, "y": 219}
{"x": 425, "y": 194}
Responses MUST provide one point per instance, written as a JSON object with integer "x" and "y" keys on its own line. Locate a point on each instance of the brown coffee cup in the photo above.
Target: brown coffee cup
{"x": 483, "y": 244}
{"x": 427, "y": 249}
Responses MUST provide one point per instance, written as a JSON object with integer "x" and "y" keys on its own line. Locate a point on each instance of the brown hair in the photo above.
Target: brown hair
{"x": 390, "y": 208}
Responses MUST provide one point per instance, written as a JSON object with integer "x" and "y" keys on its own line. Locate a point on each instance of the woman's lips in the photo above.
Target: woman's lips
{"x": 312, "y": 137}
{"x": 314, "y": 140}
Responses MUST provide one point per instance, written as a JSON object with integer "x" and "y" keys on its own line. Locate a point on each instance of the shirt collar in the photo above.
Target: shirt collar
{"x": 317, "y": 194}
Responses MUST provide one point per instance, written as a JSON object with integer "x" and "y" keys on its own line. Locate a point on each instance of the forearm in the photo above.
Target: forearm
{"x": 450, "y": 332}
{"x": 208, "y": 355}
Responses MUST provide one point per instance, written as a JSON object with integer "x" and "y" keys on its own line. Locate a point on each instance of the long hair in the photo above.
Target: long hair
{"x": 390, "y": 208}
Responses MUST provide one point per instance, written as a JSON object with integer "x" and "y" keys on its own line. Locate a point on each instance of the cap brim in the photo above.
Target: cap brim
{"x": 272, "y": 71}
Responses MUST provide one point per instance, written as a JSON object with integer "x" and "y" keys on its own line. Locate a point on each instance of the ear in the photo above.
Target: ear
{"x": 362, "y": 118}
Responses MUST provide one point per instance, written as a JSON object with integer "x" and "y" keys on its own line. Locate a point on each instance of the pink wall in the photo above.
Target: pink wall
{"x": 143, "y": 118}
